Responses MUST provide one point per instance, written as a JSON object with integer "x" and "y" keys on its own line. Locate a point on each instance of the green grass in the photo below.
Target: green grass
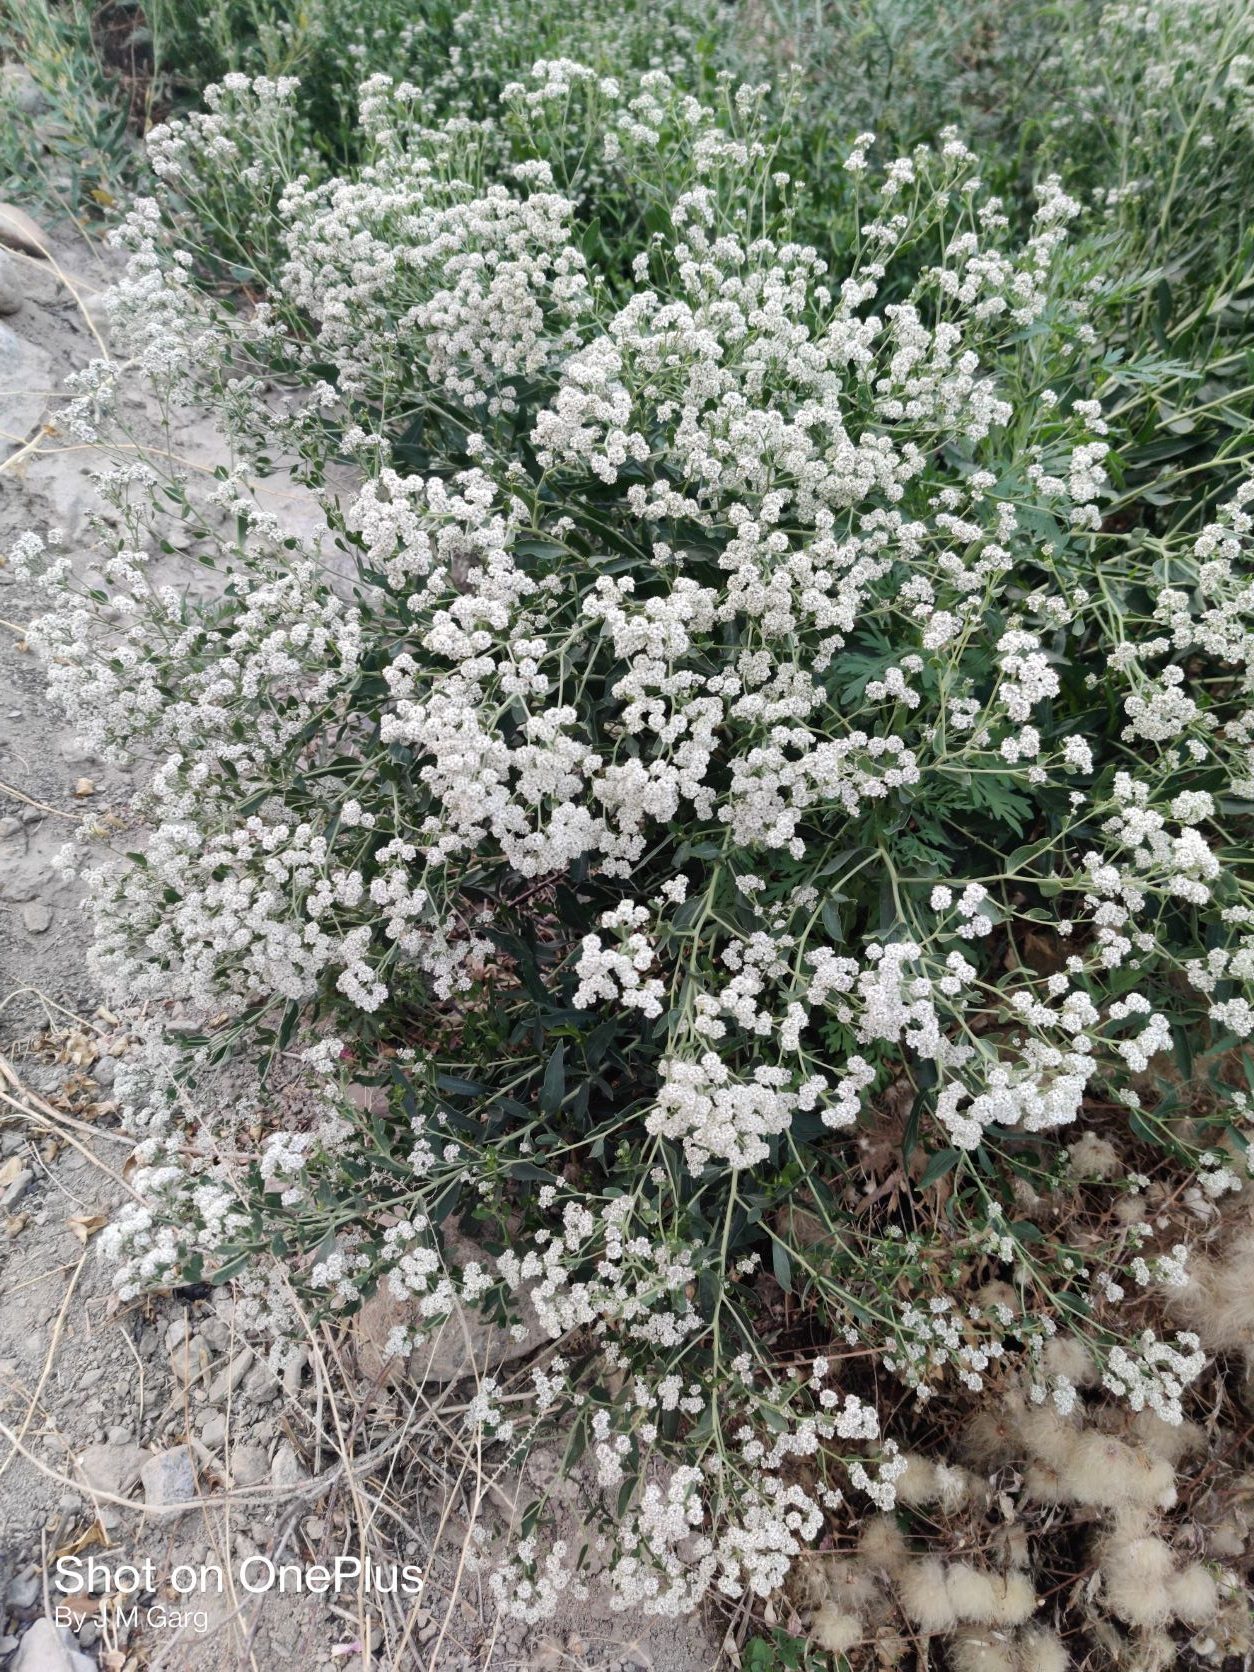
{"x": 68, "y": 126}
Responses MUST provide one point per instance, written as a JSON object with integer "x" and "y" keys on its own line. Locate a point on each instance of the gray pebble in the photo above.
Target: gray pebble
{"x": 17, "y": 1189}
{"x": 11, "y": 290}
{"x": 213, "y": 1428}
{"x": 260, "y": 1384}
{"x": 230, "y": 1378}
{"x": 169, "y": 1478}
{"x": 23, "y": 1592}
{"x": 286, "y": 1469}
{"x": 248, "y": 1466}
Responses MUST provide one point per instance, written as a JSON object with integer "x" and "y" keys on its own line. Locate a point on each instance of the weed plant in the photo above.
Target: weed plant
{"x": 730, "y": 853}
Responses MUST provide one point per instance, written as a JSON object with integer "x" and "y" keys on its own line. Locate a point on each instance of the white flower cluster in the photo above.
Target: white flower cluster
{"x": 1152, "y": 1375}
{"x": 606, "y": 973}
{"x": 685, "y": 688}
{"x": 634, "y": 1287}
{"x": 719, "y": 1117}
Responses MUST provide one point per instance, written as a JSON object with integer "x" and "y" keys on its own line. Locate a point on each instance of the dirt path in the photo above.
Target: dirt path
{"x": 94, "y": 1408}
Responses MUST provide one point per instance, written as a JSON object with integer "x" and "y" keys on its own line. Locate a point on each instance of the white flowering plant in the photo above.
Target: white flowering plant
{"x": 719, "y": 811}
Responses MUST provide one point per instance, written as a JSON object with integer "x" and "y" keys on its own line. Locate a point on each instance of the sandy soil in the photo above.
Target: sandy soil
{"x": 154, "y": 1431}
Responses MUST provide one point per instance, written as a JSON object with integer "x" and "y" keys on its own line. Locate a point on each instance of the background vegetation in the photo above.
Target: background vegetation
{"x": 1068, "y": 1489}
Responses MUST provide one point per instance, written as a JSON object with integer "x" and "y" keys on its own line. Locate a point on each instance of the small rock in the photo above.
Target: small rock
{"x": 10, "y": 827}
{"x": 285, "y": 1468}
{"x": 213, "y": 1428}
{"x": 45, "y": 1649}
{"x": 229, "y": 1379}
{"x": 16, "y": 1190}
{"x": 248, "y": 1466}
{"x": 293, "y": 1370}
{"x": 20, "y": 232}
{"x": 25, "y": 376}
{"x": 226, "y": 1307}
{"x": 169, "y": 1478}
{"x": 176, "y": 1333}
{"x": 23, "y": 1592}
{"x": 11, "y": 293}
{"x": 36, "y": 918}
{"x": 217, "y": 1335}
{"x": 261, "y": 1385}
{"x": 190, "y": 1360}
{"x": 112, "y": 1467}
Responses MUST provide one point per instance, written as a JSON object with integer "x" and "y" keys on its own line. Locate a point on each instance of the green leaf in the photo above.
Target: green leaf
{"x": 459, "y": 1087}
{"x": 554, "y": 1088}
{"x": 288, "y": 1026}
{"x": 944, "y": 1161}
{"x": 910, "y": 1138}
{"x": 230, "y": 1268}
{"x": 529, "y": 1170}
